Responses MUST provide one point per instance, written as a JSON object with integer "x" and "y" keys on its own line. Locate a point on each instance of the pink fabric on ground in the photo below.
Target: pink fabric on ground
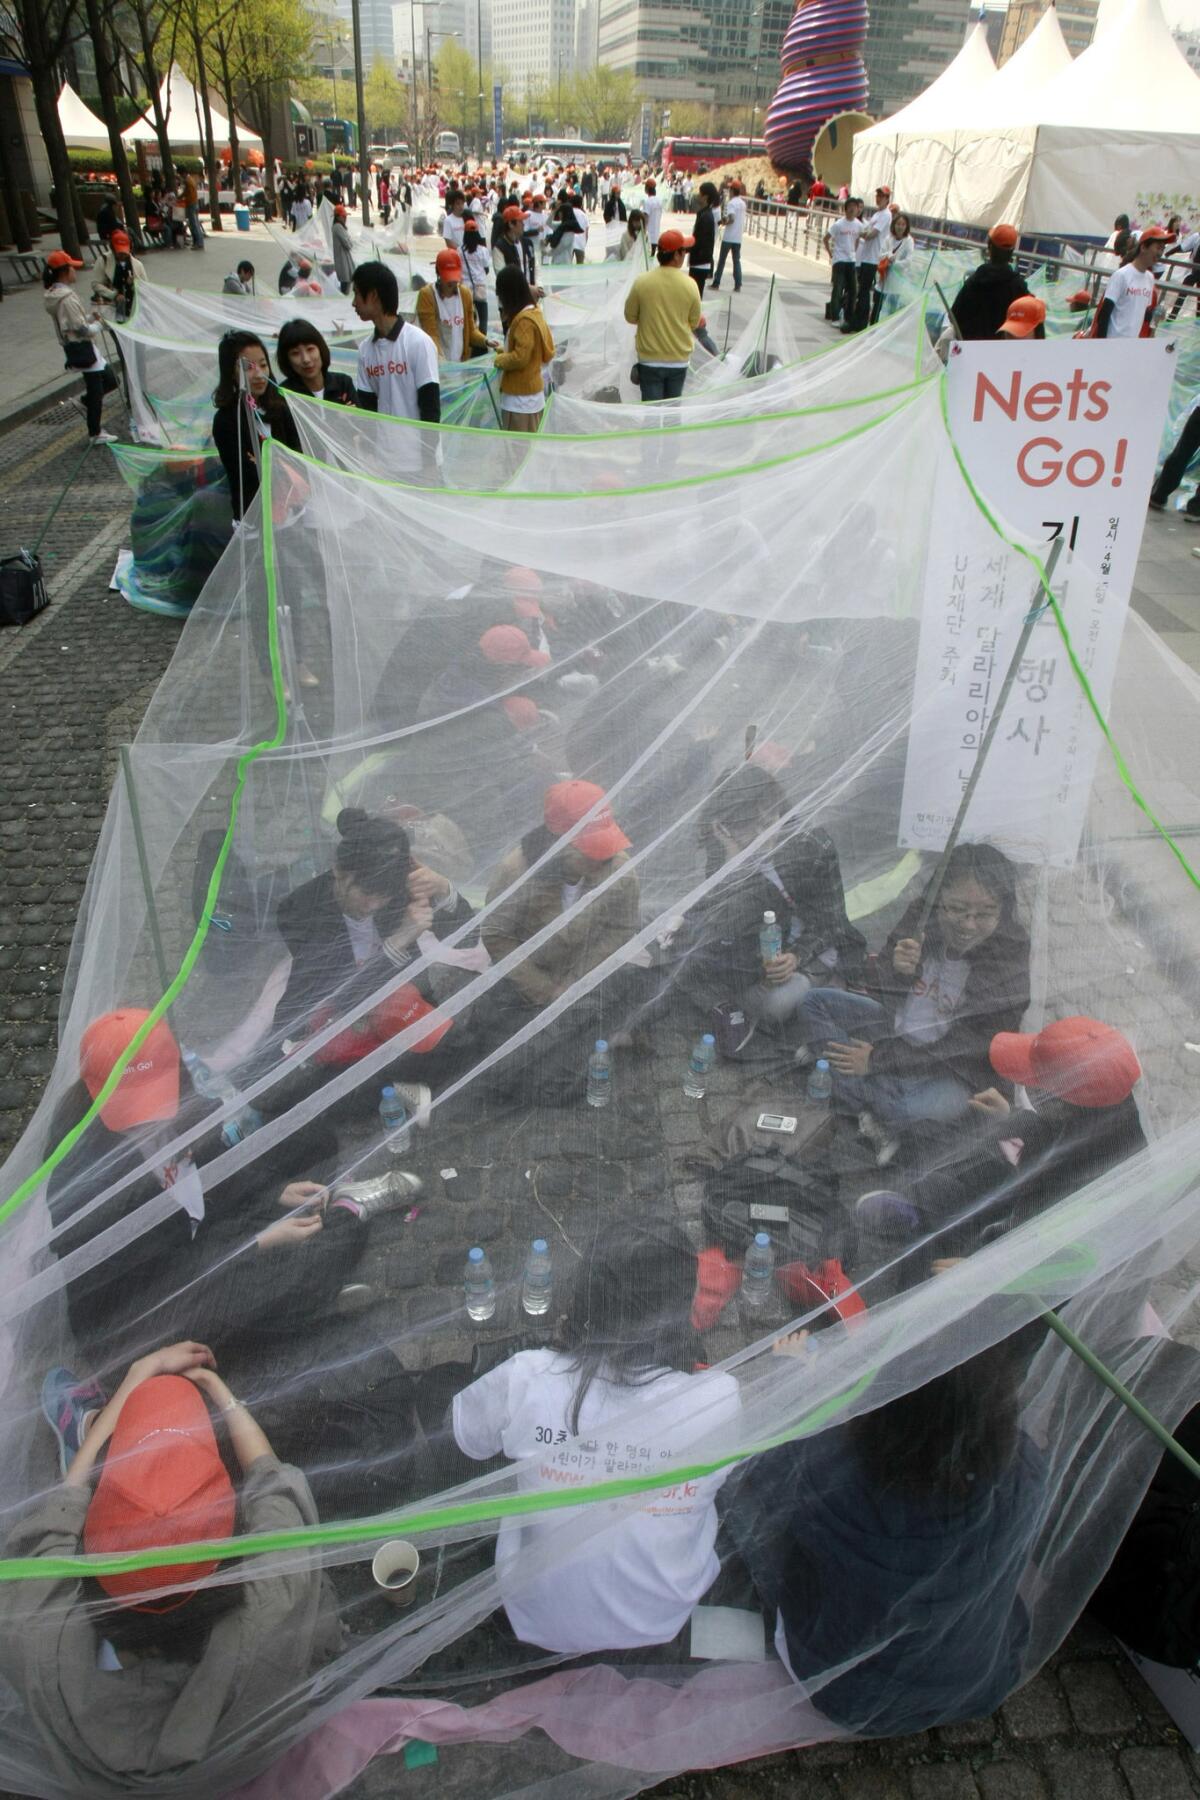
{"x": 721, "y": 1715}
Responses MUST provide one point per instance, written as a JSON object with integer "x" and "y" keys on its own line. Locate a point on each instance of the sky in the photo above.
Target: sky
{"x": 1183, "y": 12}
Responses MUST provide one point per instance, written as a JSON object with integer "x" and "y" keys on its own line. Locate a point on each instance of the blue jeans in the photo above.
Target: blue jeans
{"x": 833, "y": 1016}
{"x": 194, "y": 226}
{"x": 661, "y": 384}
{"x": 734, "y": 250}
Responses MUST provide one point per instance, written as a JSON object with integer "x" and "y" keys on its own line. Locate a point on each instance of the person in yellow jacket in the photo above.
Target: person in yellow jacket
{"x": 664, "y": 304}
{"x": 446, "y": 311}
{"x": 528, "y": 350}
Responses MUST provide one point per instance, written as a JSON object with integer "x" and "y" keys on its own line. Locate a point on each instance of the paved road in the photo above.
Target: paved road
{"x": 72, "y": 688}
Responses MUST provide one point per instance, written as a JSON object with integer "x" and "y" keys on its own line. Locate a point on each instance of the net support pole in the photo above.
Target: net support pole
{"x": 1129, "y": 1401}
{"x": 139, "y": 844}
{"x": 487, "y": 382}
{"x": 762, "y": 345}
{"x": 1006, "y": 687}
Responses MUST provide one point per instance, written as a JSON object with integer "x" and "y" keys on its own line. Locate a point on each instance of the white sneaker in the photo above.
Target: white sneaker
{"x": 1196, "y": 551}
{"x": 103, "y": 437}
{"x": 417, "y": 1099}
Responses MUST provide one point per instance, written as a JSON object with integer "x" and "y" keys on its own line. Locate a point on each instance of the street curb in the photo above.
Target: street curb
{"x": 40, "y": 401}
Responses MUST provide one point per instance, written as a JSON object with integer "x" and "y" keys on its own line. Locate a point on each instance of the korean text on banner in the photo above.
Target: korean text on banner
{"x": 1060, "y": 440}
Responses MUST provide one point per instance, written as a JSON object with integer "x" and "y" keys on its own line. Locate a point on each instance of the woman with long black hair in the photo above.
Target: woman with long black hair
{"x": 249, "y": 408}
{"x": 628, "y": 1359}
{"x": 528, "y": 350}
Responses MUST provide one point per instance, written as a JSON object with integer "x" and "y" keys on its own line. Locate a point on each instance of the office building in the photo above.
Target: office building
{"x": 909, "y": 43}
{"x": 587, "y": 23}
{"x": 533, "y": 44}
{"x": 478, "y": 39}
{"x": 375, "y": 23}
{"x": 720, "y": 52}
{"x": 1076, "y": 18}
{"x": 1189, "y": 43}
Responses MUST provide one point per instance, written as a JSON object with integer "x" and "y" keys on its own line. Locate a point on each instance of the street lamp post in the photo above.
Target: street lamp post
{"x": 479, "y": 66}
{"x": 360, "y": 104}
{"x": 430, "y": 33}
{"x": 754, "y": 81}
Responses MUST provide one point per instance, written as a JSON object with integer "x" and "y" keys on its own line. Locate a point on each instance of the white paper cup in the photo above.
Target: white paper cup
{"x": 394, "y": 1566}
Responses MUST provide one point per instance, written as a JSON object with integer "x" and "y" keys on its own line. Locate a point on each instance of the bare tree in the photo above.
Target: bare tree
{"x": 45, "y": 28}
{"x": 98, "y": 21}
{"x": 150, "y": 20}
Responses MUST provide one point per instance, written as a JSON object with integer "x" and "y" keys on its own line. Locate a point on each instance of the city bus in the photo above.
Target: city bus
{"x": 447, "y": 145}
{"x": 690, "y": 156}
{"x": 567, "y": 150}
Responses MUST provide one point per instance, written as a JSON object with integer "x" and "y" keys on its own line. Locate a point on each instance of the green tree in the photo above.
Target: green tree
{"x": 603, "y": 101}
{"x": 460, "y": 81}
{"x": 386, "y": 103}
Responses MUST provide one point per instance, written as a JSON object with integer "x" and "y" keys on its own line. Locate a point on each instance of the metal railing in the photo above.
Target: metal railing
{"x": 802, "y": 229}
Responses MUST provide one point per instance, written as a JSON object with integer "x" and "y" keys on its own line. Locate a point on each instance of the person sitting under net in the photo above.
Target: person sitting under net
{"x": 919, "y": 1053}
{"x": 350, "y": 932}
{"x": 130, "y": 1678}
{"x": 255, "y": 1255}
{"x": 792, "y": 873}
{"x": 629, "y": 1356}
{"x": 546, "y": 882}
{"x": 1016, "y": 1162}
{"x": 892, "y": 1548}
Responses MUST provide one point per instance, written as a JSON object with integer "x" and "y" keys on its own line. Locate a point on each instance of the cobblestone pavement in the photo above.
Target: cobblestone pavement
{"x": 72, "y": 688}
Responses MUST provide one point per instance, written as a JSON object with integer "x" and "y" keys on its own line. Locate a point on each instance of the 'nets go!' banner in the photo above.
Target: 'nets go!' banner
{"x": 1059, "y": 439}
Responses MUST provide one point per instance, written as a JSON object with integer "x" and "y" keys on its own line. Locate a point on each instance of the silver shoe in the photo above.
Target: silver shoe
{"x": 382, "y": 1194}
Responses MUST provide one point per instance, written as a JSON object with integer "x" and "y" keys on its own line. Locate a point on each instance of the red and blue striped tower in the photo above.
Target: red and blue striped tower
{"x": 823, "y": 74}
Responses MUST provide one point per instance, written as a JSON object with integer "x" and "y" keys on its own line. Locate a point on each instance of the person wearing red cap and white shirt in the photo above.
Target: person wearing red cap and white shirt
{"x": 664, "y": 305}
{"x": 450, "y": 225}
{"x": 983, "y": 300}
{"x": 550, "y": 879}
{"x": 77, "y": 331}
{"x": 446, "y": 311}
{"x": 652, "y": 212}
{"x": 1127, "y": 306}
{"x": 127, "y": 1692}
{"x": 872, "y": 243}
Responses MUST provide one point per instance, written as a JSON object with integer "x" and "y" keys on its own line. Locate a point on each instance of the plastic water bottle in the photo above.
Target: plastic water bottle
{"x": 770, "y": 938}
{"x": 539, "y": 1278}
{"x": 820, "y": 1082}
{"x": 212, "y": 1086}
{"x": 704, "y": 1054}
{"x": 393, "y": 1116}
{"x": 757, "y": 1273}
{"x": 479, "y": 1287}
{"x": 599, "y": 1075}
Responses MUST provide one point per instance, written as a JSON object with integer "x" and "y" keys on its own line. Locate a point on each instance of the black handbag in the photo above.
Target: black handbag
{"x": 22, "y": 589}
{"x": 79, "y": 355}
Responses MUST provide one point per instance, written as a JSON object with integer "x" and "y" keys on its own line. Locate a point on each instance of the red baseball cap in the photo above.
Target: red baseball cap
{"x": 882, "y": 189}
{"x": 513, "y": 212}
{"x": 1023, "y": 317}
{"x": 1005, "y": 237}
{"x": 163, "y": 1483}
{"x": 120, "y": 243}
{"x": 671, "y": 241}
{"x": 567, "y": 802}
{"x": 508, "y": 645}
{"x": 339, "y": 212}
{"x": 149, "y": 1086}
{"x": 1078, "y": 1059}
{"x": 448, "y": 264}
{"x": 522, "y": 713}
{"x": 1153, "y": 234}
{"x": 58, "y": 259}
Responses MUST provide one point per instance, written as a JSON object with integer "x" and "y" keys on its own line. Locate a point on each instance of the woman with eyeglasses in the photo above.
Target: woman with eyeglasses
{"x": 919, "y": 1052}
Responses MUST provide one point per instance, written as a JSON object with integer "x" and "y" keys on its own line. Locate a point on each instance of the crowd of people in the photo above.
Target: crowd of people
{"x": 915, "y": 1017}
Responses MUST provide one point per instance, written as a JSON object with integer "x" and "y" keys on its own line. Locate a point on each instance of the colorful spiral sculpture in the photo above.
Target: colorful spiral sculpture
{"x": 823, "y": 74}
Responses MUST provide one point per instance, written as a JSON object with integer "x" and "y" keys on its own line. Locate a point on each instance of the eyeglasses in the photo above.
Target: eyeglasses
{"x": 971, "y": 915}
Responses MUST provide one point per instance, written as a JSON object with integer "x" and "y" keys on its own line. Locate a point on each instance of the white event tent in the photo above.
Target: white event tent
{"x": 80, "y": 126}
{"x": 1047, "y": 145}
{"x": 184, "y": 113}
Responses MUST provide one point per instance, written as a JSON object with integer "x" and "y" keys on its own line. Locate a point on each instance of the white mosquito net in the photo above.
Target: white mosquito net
{"x": 448, "y": 784}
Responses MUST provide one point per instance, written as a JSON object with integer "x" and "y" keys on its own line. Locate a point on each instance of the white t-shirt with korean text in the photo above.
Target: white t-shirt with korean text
{"x": 633, "y": 1577}
{"x": 450, "y": 322}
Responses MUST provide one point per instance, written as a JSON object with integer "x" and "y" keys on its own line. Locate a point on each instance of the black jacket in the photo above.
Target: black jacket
{"x": 338, "y": 388}
{"x": 239, "y": 450}
{"x": 313, "y": 927}
{"x": 994, "y": 999}
{"x": 704, "y": 230}
{"x": 720, "y": 958}
{"x": 1065, "y": 1147}
{"x": 984, "y": 299}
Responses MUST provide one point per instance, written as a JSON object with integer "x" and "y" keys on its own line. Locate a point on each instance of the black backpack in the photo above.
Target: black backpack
{"x": 766, "y": 1190}
{"x": 1150, "y": 1597}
